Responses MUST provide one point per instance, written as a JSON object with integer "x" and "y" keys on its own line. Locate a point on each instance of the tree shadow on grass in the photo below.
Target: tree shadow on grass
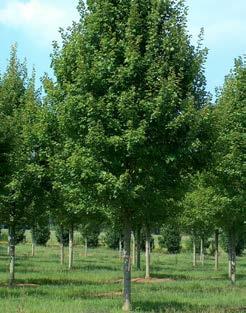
{"x": 17, "y": 292}
{"x": 173, "y": 277}
{"x": 60, "y": 282}
{"x": 168, "y": 307}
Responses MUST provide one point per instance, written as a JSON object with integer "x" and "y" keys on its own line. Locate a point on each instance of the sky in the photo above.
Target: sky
{"x": 34, "y": 24}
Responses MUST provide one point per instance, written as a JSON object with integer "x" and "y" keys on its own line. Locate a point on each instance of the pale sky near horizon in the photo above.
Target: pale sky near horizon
{"x": 33, "y": 24}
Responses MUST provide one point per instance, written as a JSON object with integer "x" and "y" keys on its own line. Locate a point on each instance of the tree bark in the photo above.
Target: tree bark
{"x": 70, "y": 254}
{"x": 12, "y": 255}
{"x": 202, "y": 251}
{"x": 216, "y": 255}
{"x": 8, "y": 248}
{"x": 127, "y": 268}
{"x": 194, "y": 252}
{"x": 133, "y": 249}
{"x": 232, "y": 257}
{"x": 62, "y": 253}
{"x": 138, "y": 249}
{"x": 33, "y": 242}
{"x": 120, "y": 248}
{"x": 147, "y": 255}
{"x": 86, "y": 247}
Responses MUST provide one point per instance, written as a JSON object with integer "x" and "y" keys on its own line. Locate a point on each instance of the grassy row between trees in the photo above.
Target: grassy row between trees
{"x": 95, "y": 284}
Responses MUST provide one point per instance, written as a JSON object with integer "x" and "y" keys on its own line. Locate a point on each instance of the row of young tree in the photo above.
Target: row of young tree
{"x": 126, "y": 132}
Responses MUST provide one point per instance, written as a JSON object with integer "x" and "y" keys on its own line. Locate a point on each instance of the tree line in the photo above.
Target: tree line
{"x": 125, "y": 133}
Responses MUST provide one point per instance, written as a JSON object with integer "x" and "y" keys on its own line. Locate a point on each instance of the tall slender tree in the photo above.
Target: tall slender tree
{"x": 229, "y": 156}
{"x": 128, "y": 91}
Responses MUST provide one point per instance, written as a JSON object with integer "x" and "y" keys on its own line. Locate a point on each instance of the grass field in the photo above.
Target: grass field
{"x": 95, "y": 286}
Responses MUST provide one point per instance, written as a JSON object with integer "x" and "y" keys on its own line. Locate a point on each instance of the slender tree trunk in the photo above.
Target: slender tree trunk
{"x": 86, "y": 247}
{"x": 70, "y": 260}
{"x": 62, "y": 252}
{"x": 133, "y": 249}
{"x": 232, "y": 257}
{"x": 12, "y": 255}
{"x": 8, "y": 247}
{"x": 138, "y": 249}
{"x": 33, "y": 242}
{"x": 194, "y": 252}
{"x": 120, "y": 248}
{"x": 147, "y": 255}
{"x": 216, "y": 255}
{"x": 202, "y": 251}
{"x": 127, "y": 268}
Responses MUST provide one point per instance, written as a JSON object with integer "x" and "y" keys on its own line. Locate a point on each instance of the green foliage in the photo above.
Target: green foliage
{"x": 23, "y": 182}
{"x": 62, "y": 235}
{"x": 171, "y": 238}
{"x": 129, "y": 99}
{"x": 20, "y": 234}
{"x": 229, "y": 177}
{"x": 112, "y": 237}
{"x": 90, "y": 232}
{"x": 41, "y": 234}
{"x": 240, "y": 243}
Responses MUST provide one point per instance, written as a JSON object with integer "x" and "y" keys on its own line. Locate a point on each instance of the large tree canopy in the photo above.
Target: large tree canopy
{"x": 129, "y": 99}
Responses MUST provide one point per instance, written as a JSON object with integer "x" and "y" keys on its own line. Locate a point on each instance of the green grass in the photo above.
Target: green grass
{"x": 93, "y": 286}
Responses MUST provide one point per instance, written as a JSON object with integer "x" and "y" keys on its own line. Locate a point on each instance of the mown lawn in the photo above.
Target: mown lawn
{"x": 95, "y": 285}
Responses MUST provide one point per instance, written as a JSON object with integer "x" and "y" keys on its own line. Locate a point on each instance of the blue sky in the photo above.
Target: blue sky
{"x": 33, "y": 24}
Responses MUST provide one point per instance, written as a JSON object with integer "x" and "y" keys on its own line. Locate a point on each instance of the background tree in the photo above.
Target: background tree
{"x": 228, "y": 176}
{"x": 171, "y": 237}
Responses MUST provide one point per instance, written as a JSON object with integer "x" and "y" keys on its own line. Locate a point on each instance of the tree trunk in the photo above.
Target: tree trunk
{"x": 120, "y": 248}
{"x": 232, "y": 257}
{"x": 202, "y": 251}
{"x": 33, "y": 242}
{"x": 8, "y": 247}
{"x": 194, "y": 252}
{"x": 70, "y": 260}
{"x": 12, "y": 255}
{"x": 127, "y": 268}
{"x": 86, "y": 247}
{"x": 133, "y": 249}
{"x": 138, "y": 249}
{"x": 216, "y": 255}
{"x": 62, "y": 252}
{"x": 147, "y": 255}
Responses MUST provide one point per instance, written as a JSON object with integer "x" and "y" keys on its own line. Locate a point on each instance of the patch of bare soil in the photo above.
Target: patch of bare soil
{"x": 27, "y": 285}
{"x": 148, "y": 280}
{"x": 21, "y": 285}
{"x": 235, "y": 310}
{"x": 151, "y": 280}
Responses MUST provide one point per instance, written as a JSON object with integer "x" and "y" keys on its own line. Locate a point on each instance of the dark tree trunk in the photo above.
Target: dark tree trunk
{"x": 232, "y": 257}
{"x": 133, "y": 248}
{"x": 138, "y": 239}
{"x": 147, "y": 254}
{"x": 70, "y": 261}
{"x": 12, "y": 255}
{"x": 127, "y": 268}
{"x": 216, "y": 254}
{"x": 33, "y": 242}
{"x": 120, "y": 248}
{"x": 62, "y": 253}
{"x": 86, "y": 247}
{"x": 202, "y": 251}
{"x": 194, "y": 252}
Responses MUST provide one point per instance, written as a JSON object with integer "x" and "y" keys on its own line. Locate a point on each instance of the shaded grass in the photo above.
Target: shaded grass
{"x": 94, "y": 285}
